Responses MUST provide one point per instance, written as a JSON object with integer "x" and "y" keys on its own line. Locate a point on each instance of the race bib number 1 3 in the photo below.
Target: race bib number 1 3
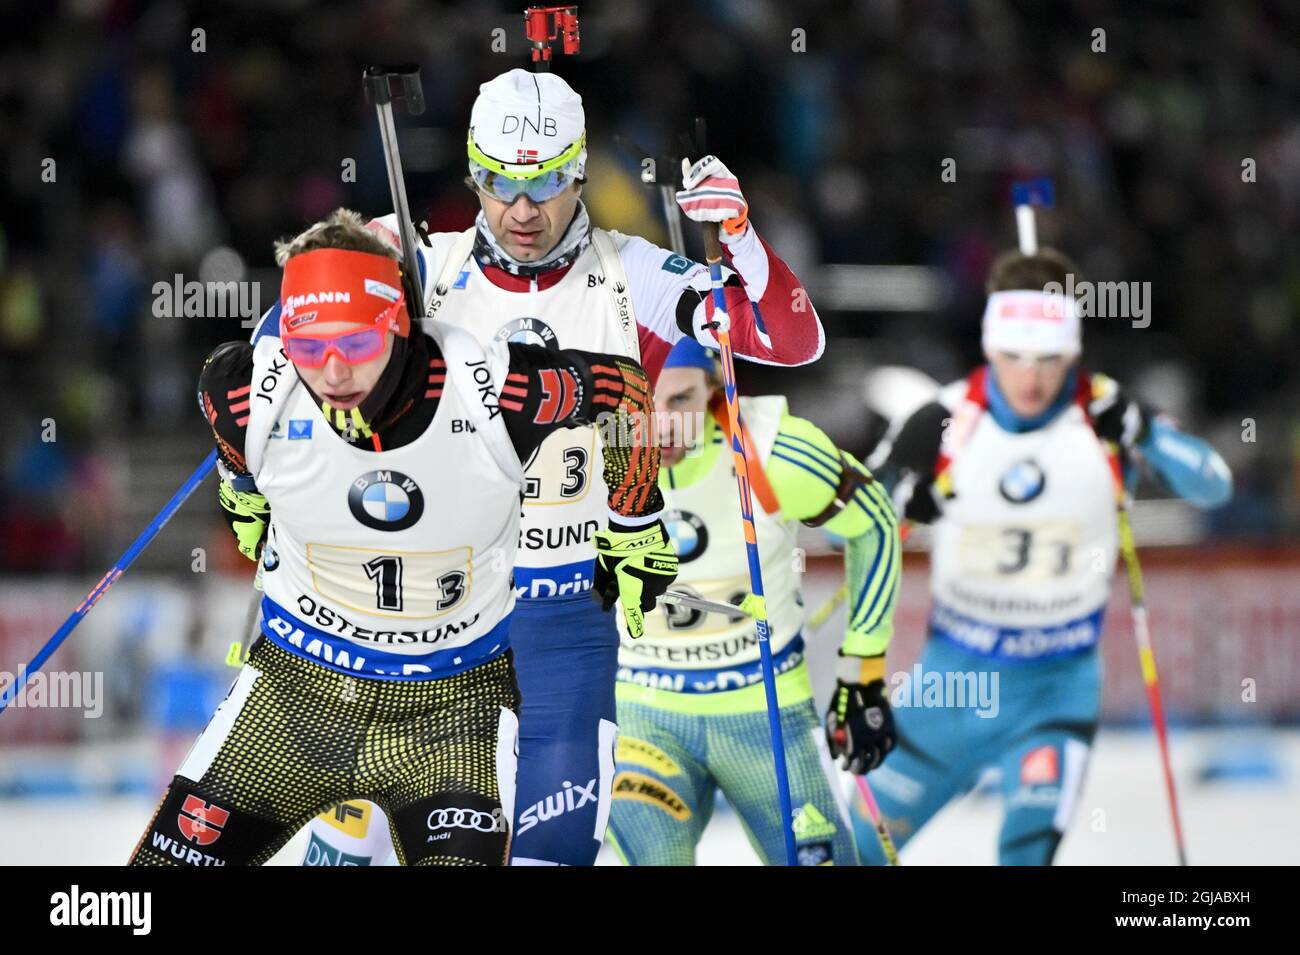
{"x": 392, "y": 583}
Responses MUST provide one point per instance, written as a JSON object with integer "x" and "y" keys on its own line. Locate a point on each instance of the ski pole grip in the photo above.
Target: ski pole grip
{"x": 384, "y": 84}
{"x": 712, "y": 244}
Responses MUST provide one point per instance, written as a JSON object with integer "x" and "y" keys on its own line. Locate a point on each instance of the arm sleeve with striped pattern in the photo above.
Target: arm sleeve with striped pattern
{"x": 808, "y": 475}
{"x": 548, "y": 390}
{"x": 224, "y": 391}
{"x": 224, "y": 387}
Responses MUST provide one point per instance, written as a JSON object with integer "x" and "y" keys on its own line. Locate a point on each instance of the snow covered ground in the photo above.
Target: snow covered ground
{"x": 1250, "y": 816}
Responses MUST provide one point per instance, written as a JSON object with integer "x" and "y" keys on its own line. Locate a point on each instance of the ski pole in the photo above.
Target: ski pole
{"x": 382, "y": 86}
{"x": 713, "y": 256}
{"x": 237, "y": 655}
{"x": 681, "y": 598}
{"x": 110, "y": 578}
{"x": 1024, "y": 196}
{"x": 1147, "y": 658}
{"x": 668, "y": 187}
{"x": 823, "y": 613}
{"x": 832, "y": 603}
{"x": 877, "y": 820}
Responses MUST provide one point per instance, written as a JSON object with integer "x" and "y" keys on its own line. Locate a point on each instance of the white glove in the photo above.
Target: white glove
{"x": 711, "y": 193}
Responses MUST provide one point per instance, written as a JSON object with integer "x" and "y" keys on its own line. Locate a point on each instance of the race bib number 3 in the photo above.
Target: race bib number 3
{"x": 1028, "y": 554}
{"x": 560, "y": 471}
{"x": 392, "y": 583}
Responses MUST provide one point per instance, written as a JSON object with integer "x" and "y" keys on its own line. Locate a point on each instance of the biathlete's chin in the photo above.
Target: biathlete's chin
{"x": 1030, "y": 410}
{"x": 524, "y": 251}
{"x": 671, "y": 457}
{"x": 1032, "y": 405}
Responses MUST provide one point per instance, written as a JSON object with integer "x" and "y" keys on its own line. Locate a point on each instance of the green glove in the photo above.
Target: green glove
{"x": 633, "y": 566}
{"x": 247, "y": 514}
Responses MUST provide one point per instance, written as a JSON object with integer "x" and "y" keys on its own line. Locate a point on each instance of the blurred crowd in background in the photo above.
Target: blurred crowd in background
{"x": 837, "y": 117}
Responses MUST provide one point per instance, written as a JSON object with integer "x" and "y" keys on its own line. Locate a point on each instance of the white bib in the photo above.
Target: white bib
{"x": 704, "y": 522}
{"x": 589, "y": 308}
{"x": 393, "y": 563}
{"x": 1023, "y": 555}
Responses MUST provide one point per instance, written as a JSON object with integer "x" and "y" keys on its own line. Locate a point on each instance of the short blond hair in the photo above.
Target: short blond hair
{"x": 341, "y": 229}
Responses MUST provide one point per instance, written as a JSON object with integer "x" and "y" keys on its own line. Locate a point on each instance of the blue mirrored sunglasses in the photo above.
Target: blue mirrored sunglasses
{"x": 538, "y": 189}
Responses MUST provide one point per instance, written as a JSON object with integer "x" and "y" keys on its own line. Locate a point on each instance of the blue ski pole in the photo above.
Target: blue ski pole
{"x": 110, "y": 578}
{"x": 713, "y": 256}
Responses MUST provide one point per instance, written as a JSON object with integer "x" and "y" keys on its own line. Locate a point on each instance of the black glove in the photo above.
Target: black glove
{"x": 1115, "y": 416}
{"x": 860, "y": 725}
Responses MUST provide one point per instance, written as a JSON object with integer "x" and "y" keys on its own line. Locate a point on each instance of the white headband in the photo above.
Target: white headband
{"x": 1029, "y": 321}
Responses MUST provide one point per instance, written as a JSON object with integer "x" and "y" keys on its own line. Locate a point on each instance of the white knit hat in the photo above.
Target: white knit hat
{"x": 524, "y": 120}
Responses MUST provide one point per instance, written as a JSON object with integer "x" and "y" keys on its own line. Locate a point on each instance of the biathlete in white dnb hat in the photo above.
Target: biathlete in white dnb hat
{"x": 535, "y": 269}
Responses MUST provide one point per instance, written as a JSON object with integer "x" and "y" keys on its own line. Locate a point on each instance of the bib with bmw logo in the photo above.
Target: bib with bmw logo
{"x": 1022, "y": 557}
{"x": 703, "y": 521}
{"x": 565, "y": 498}
{"x": 399, "y": 559}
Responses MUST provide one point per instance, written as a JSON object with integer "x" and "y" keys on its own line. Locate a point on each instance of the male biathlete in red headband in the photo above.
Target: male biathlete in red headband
{"x": 383, "y": 671}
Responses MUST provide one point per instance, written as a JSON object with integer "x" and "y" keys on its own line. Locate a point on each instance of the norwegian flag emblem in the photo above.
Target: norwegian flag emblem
{"x": 526, "y": 156}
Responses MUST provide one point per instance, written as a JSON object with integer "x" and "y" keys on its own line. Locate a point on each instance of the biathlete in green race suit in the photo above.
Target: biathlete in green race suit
{"x": 691, "y": 707}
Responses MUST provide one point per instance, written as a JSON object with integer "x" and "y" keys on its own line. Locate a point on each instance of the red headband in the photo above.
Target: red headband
{"x": 340, "y": 285}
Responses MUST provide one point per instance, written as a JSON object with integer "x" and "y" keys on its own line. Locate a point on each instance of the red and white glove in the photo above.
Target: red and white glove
{"x": 711, "y": 193}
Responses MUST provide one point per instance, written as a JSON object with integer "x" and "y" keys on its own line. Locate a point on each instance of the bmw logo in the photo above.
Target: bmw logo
{"x": 270, "y": 559}
{"x": 529, "y": 331}
{"x": 688, "y": 534}
{"x": 386, "y": 500}
{"x": 1024, "y": 482}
